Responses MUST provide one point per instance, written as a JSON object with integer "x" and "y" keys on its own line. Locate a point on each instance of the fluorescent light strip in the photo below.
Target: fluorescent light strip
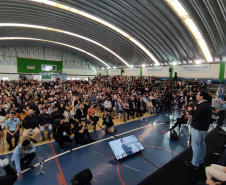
{"x": 183, "y": 14}
{"x": 59, "y": 43}
{"x": 101, "y": 21}
{"x": 64, "y": 32}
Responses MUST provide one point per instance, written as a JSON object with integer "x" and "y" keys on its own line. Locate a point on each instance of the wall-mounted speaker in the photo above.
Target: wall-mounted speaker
{"x": 170, "y": 70}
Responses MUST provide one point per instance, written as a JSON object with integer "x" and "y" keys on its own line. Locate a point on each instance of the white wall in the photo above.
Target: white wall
{"x": 78, "y": 72}
{"x": 13, "y": 69}
{"x": 163, "y": 73}
{"x": 214, "y": 70}
{"x": 131, "y": 72}
{"x": 9, "y": 69}
{"x": 114, "y": 72}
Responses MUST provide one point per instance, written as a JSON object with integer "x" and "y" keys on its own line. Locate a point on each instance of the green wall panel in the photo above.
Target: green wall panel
{"x": 221, "y": 73}
{"x": 22, "y": 64}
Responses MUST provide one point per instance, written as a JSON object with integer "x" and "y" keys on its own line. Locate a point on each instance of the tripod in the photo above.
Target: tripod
{"x": 41, "y": 167}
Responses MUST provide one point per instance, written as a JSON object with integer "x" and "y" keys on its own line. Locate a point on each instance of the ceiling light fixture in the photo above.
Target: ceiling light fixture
{"x": 99, "y": 20}
{"x": 64, "y": 32}
{"x": 143, "y": 65}
{"x": 188, "y": 21}
{"x": 59, "y": 43}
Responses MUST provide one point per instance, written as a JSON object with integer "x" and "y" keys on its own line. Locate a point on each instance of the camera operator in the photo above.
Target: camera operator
{"x": 183, "y": 119}
{"x": 80, "y": 131}
{"x": 63, "y": 133}
{"x": 108, "y": 123}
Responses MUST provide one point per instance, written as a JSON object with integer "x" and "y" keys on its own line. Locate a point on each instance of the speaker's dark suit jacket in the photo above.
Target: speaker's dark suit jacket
{"x": 201, "y": 117}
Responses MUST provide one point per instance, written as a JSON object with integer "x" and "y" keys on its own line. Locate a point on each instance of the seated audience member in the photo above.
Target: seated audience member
{"x": 10, "y": 176}
{"x": 51, "y": 108}
{"x": 108, "y": 123}
{"x": 1, "y": 139}
{"x": 107, "y": 105}
{"x": 126, "y": 108}
{"x": 132, "y": 106}
{"x": 156, "y": 107}
{"x": 86, "y": 106}
{"x": 141, "y": 107}
{"x": 61, "y": 108}
{"x": 119, "y": 108}
{"x": 24, "y": 113}
{"x": 17, "y": 115}
{"x": 30, "y": 124}
{"x": 56, "y": 116}
{"x": 92, "y": 116}
{"x": 81, "y": 114}
{"x": 70, "y": 105}
{"x": 63, "y": 133}
{"x": 80, "y": 131}
{"x": 149, "y": 106}
{"x": 220, "y": 110}
{"x": 12, "y": 126}
{"x": 35, "y": 108}
{"x": 216, "y": 171}
{"x": 44, "y": 120}
{"x": 214, "y": 100}
{"x": 69, "y": 113}
{"x": 77, "y": 105}
{"x": 22, "y": 157}
{"x": 2, "y": 111}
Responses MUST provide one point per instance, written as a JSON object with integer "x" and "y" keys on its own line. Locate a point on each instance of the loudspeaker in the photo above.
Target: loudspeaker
{"x": 173, "y": 135}
{"x": 170, "y": 70}
{"x": 82, "y": 178}
{"x": 122, "y": 70}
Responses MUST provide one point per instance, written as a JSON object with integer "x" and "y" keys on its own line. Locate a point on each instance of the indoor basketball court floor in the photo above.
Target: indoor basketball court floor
{"x": 60, "y": 167}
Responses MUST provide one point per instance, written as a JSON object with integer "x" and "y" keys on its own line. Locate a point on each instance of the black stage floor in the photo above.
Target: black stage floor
{"x": 176, "y": 173}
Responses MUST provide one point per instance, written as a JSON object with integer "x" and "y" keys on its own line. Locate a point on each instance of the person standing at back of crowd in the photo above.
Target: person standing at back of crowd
{"x": 201, "y": 119}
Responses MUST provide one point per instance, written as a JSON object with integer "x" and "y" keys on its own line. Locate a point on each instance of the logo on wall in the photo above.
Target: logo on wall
{"x": 30, "y": 67}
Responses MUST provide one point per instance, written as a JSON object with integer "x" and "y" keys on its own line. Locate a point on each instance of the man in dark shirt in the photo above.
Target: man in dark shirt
{"x": 45, "y": 123}
{"x": 30, "y": 124}
{"x": 56, "y": 116}
{"x": 63, "y": 133}
{"x": 201, "y": 118}
{"x": 80, "y": 131}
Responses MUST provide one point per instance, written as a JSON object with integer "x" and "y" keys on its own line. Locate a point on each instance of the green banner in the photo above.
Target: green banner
{"x": 221, "y": 73}
{"x": 46, "y": 77}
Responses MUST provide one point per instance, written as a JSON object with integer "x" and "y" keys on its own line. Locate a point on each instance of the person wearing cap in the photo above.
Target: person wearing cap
{"x": 22, "y": 157}
{"x": 12, "y": 126}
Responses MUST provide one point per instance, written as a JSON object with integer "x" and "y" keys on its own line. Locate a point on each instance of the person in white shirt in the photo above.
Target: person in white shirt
{"x": 107, "y": 105}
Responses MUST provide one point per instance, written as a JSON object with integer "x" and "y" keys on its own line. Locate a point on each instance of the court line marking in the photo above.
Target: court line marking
{"x": 60, "y": 175}
{"x": 58, "y": 155}
{"x": 8, "y": 152}
{"x": 119, "y": 174}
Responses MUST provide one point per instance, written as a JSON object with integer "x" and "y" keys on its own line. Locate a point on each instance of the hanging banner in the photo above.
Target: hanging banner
{"x": 155, "y": 69}
{"x": 114, "y": 71}
{"x": 204, "y": 68}
{"x": 53, "y": 76}
{"x": 131, "y": 71}
{"x": 103, "y": 72}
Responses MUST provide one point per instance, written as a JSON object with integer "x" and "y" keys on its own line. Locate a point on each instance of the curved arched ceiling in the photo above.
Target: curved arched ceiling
{"x": 150, "y": 22}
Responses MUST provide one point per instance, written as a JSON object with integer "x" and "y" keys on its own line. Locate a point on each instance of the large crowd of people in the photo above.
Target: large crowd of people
{"x": 38, "y": 106}
{"x": 66, "y": 109}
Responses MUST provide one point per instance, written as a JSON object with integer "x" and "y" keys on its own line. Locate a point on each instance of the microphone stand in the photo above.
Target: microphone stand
{"x": 41, "y": 167}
